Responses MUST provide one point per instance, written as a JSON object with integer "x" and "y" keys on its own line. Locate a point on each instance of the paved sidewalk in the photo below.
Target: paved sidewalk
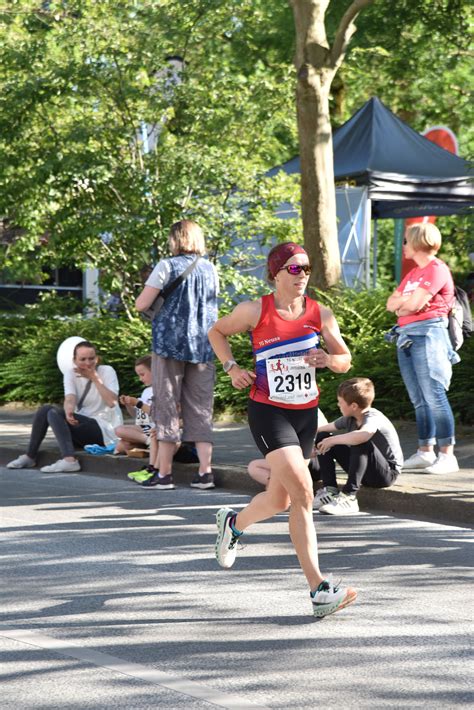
{"x": 444, "y": 499}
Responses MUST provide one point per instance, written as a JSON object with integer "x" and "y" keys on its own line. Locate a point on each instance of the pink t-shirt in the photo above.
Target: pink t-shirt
{"x": 435, "y": 278}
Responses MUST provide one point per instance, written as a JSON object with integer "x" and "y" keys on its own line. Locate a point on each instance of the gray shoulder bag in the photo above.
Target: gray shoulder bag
{"x": 157, "y": 304}
{"x": 83, "y": 395}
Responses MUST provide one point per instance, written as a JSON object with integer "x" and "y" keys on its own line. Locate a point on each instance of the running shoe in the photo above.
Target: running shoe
{"x": 142, "y": 475}
{"x": 422, "y": 459}
{"x": 226, "y": 543}
{"x": 341, "y": 505}
{"x": 165, "y": 483}
{"x": 328, "y": 598}
{"x": 323, "y": 496}
{"x": 206, "y": 480}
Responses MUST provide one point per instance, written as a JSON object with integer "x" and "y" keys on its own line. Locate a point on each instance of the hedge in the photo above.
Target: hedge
{"x": 29, "y": 341}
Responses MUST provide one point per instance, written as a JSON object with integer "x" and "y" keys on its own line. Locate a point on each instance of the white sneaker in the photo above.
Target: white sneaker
{"x": 341, "y": 505}
{"x": 226, "y": 543}
{"x": 22, "y": 461}
{"x": 422, "y": 459}
{"x": 62, "y": 466}
{"x": 322, "y": 497}
{"x": 445, "y": 463}
{"x": 327, "y": 598}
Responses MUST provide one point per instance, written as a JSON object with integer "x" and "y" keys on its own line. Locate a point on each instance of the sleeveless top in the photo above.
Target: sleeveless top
{"x": 278, "y": 345}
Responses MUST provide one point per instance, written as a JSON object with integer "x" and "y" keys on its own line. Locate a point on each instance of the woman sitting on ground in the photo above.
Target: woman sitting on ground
{"x": 89, "y": 416}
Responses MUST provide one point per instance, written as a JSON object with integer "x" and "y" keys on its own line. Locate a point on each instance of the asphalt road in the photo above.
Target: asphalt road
{"x": 111, "y": 598}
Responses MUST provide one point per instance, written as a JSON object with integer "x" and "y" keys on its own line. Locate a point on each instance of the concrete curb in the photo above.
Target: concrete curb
{"x": 401, "y": 499}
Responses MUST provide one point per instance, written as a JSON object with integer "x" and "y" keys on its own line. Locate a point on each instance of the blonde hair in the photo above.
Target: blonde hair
{"x": 424, "y": 237}
{"x": 358, "y": 390}
{"x": 186, "y": 237}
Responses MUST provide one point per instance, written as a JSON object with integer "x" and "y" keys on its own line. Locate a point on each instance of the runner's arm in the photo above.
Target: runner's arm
{"x": 336, "y": 356}
{"x": 244, "y": 317}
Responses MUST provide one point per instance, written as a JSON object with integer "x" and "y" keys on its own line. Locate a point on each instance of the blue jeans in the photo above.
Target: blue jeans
{"x": 434, "y": 417}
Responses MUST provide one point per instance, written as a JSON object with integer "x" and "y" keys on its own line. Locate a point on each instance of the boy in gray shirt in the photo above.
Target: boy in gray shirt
{"x": 369, "y": 450}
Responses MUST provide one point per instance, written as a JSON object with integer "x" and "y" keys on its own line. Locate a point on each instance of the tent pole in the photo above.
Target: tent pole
{"x": 374, "y": 256}
{"x": 367, "y": 230}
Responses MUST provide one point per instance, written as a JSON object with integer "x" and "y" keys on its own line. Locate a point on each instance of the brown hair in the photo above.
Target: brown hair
{"x": 186, "y": 237}
{"x": 144, "y": 360}
{"x": 358, "y": 390}
{"x": 424, "y": 237}
{"x": 83, "y": 344}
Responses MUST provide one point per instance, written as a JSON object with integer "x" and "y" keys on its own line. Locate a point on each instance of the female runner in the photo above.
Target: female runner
{"x": 285, "y": 329}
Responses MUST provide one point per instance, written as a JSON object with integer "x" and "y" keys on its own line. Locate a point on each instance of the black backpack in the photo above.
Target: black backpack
{"x": 460, "y": 318}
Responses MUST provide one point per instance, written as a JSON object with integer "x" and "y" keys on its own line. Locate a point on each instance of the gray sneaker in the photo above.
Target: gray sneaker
{"x": 205, "y": 480}
{"x": 62, "y": 466}
{"x": 22, "y": 461}
{"x": 226, "y": 543}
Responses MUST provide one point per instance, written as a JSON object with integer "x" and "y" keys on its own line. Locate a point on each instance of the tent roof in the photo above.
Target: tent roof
{"x": 406, "y": 174}
{"x": 375, "y": 140}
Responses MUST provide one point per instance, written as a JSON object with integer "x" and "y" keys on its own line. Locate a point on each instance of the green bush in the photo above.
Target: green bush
{"x": 29, "y": 372}
{"x": 29, "y": 341}
{"x": 363, "y": 320}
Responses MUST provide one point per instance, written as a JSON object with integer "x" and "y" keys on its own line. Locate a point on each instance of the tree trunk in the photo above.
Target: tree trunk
{"x": 318, "y": 197}
{"x": 317, "y": 64}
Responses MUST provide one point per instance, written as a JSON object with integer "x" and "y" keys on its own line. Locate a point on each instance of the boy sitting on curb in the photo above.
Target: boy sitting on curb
{"x": 138, "y": 407}
{"x": 369, "y": 451}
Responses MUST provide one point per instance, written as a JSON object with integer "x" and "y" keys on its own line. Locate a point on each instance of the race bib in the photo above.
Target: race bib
{"x": 141, "y": 418}
{"x": 291, "y": 380}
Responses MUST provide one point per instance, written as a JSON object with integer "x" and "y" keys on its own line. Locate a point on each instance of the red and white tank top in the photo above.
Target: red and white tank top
{"x": 283, "y": 378}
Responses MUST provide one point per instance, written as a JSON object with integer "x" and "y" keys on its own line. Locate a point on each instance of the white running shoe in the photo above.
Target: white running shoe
{"x": 341, "y": 505}
{"x": 323, "y": 496}
{"x": 445, "y": 463}
{"x": 422, "y": 459}
{"x": 327, "y": 598}
{"x": 22, "y": 461}
{"x": 62, "y": 466}
{"x": 226, "y": 543}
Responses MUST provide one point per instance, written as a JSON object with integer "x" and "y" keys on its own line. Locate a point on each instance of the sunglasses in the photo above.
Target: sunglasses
{"x": 296, "y": 269}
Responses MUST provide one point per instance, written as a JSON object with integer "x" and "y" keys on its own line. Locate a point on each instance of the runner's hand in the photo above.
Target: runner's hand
{"x": 317, "y": 358}
{"x": 241, "y": 378}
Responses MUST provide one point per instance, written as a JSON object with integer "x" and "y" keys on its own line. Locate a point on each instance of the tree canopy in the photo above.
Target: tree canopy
{"x": 106, "y": 140}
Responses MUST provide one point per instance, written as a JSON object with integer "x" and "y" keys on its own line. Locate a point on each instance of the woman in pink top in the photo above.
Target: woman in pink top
{"x": 422, "y": 302}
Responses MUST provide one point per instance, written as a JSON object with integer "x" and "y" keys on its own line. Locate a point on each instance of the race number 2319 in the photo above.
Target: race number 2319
{"x": 291, "y": 380}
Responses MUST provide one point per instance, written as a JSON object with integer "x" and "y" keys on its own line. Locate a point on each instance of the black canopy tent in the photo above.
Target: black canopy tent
{"x": 406, "y": 174}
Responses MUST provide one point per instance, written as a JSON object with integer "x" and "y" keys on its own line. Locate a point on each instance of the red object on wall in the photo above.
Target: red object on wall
{"x": 445, "y": 138}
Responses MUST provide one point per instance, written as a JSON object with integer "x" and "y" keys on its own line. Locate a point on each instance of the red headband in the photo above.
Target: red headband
{"x": 280, "y": 255}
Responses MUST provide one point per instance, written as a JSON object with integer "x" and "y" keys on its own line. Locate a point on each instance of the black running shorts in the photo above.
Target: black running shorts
{"x": 274, "y": 427}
